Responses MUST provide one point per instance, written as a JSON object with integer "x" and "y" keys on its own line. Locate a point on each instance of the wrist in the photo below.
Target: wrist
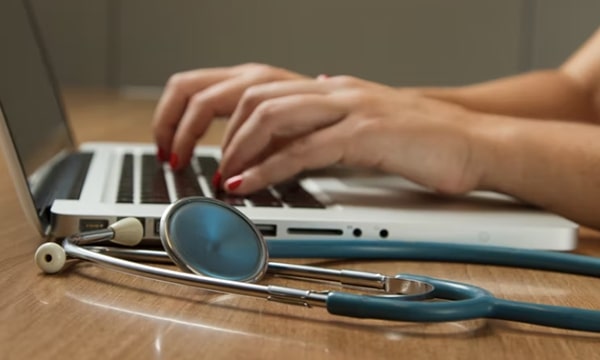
{"x": 492, "y": 157}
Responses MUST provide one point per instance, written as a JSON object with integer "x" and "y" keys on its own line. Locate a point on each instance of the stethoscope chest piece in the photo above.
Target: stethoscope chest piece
{"x": 210, "y": 238}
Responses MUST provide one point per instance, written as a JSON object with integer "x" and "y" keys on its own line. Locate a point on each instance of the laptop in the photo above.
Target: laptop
{"x": 66, "y": 188}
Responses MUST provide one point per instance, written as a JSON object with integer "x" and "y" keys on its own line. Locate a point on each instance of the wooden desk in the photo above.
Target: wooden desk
{"x": 90, "y": 312}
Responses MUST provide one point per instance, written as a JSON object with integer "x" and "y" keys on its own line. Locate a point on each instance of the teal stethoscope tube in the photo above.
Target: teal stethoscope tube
{"x": 427, "y": 251}
{"x": 469, "y": 302}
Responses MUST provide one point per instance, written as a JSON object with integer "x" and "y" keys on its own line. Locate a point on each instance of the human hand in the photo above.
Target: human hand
{"x": 282, "y": 128}
{"x": 192, "y": 99}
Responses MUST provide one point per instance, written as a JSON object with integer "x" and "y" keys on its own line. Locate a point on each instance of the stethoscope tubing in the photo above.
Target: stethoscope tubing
{"x": 468, "y": 302}
{"x": 430, "y": 251}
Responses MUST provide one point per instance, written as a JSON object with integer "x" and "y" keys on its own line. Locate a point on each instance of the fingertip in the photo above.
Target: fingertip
{"x": 216, "y": 180}
{"x": 178, "y": 162}
{"x": 174, "y": 161}
{"x": 163, "y": 140}
{"x": 162, "y": 155}
{"x": 245, "y": 183}
{"x": 234, "y": 183}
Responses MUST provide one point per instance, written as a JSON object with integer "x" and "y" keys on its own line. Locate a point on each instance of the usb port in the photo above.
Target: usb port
{"x": 157, "y": 227}
{"x": 92, "y": 224}
{"x": 267, "y": 230}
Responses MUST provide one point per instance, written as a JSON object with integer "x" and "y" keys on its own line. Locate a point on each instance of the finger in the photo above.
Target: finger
{"x": 256, "y": 95}
{"x": 217, "y": 100}
{"x": 316, "y": 150}
{"x": 290, "y": 116}
{"x": 173, "y": 102}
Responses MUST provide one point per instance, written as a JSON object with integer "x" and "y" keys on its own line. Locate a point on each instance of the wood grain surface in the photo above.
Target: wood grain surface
{"x": 90, "y": 312}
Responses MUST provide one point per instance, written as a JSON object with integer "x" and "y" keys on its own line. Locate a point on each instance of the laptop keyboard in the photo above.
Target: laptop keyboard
{"x": 154, "y": 189}
{"x": 65, "y": 180}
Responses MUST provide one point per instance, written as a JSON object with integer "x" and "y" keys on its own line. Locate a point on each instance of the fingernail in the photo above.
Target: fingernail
{"x": 322, "y": 76}
{"x": 216, "y": 180}
{"x": 233, "y": 182}
{"x": 174, "y": 161}
{"x": 162, "y": 155}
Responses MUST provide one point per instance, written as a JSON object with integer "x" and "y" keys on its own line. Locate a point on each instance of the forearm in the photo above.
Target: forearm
{"x": 550, "y": 94}
{"x": 551, "y": 164}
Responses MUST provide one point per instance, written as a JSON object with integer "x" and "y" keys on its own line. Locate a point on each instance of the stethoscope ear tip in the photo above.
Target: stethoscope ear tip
{"x": 50, "y": 257}
{"x": 128, "y": 231}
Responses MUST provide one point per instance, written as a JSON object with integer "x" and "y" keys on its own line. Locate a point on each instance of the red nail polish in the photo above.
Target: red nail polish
{"x": 174, "y": 161}
{"x": 216, "y": 180}
{"x": 162, "y": 155}
{"x": 233, "y": 182}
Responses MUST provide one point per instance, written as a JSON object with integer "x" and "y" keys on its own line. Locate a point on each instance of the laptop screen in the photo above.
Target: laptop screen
{"x": 29, "y": 101}
{"x": 30, "y": 106}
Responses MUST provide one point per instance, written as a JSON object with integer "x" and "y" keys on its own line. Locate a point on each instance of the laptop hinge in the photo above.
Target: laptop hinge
{"x": 64, "y": 181}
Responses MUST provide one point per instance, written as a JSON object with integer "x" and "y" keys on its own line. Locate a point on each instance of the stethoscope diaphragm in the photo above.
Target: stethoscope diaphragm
{"x": 210, "y": 238}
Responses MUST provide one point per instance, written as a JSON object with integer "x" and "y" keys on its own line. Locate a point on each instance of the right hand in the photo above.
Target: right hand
{"x": 192, "y": 99}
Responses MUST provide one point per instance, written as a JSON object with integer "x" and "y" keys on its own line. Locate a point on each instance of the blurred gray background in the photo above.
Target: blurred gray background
{"x": 139, "y": 43}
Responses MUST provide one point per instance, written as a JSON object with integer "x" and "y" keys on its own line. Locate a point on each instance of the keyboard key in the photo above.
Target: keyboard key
{"x": 230, "y": 199}
{"x": 291, "y": 192}
{"x": 154, "y": 186}
{"x": 264, "y": 198}
{"x": 294, "y": 195}
{"x": 208, "y": 167}
{"x": 186, "y": 183}
{"x": 125, "y": 193}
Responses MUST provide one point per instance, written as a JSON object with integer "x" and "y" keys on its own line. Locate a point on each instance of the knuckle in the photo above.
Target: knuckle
{"x": 346, "y": 80}
{"x": 176, "y": 81}
{"x": 266, "y": 73}
{"x": 251, "y": 98}
{"x": 367, "y": 127}
{"x": 357, "y": 97}
{"x": 353, "y": 97}
{"x": 299, "y": 148}
{"x": 258, "y": 69}
{"x": 266, "y": 112}
{"x": 199, "y": 100}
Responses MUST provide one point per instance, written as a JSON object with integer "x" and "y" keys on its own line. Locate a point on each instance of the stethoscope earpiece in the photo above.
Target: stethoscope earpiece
{"x": 50, "y": 257}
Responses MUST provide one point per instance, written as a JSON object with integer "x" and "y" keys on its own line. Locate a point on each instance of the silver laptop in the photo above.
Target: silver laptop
{"x": 66, "y": 189}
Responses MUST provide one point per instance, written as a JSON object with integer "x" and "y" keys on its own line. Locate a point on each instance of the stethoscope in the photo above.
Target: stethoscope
{"x": 218, "y": 248}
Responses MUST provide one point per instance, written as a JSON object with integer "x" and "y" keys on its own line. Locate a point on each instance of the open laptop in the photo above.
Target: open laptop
{"x": 66, "y": 189}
